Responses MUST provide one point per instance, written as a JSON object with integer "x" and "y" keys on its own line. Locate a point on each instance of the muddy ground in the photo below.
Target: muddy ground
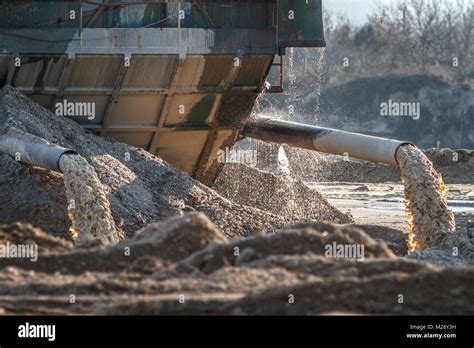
{"x": 187, "y": 266}
{"x": 186, "y": 249}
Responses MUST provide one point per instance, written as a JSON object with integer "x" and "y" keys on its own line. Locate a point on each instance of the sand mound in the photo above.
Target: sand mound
{"x": 456, "y": 166}
{"x": 140, "y": 187}
{"x": 187, "y": 266}
{"x": 168, "y": 241}
{"x": 19, "y": 233}
{"x": 33, "y": 195}
{"x": 313, "y": 166}
{"x": 280, "y": 195}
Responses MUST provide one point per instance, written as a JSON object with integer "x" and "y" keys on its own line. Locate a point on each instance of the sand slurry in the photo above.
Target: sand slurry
{"x": 88, "y": 208}
{"x": 429, "y": 219}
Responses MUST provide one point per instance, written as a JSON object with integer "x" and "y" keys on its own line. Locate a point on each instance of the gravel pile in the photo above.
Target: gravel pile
{"x": 141, "y": 188}
{"x": 278, "y": 194}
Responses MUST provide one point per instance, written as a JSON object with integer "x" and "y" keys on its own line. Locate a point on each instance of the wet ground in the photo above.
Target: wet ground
{"x": 382, "y": 203}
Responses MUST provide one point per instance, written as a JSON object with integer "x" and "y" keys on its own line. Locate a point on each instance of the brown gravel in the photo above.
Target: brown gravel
{"x": 278, "y": 194}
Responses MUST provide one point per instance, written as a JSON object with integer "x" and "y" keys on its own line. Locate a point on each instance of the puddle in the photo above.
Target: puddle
{"x": 397, "y": 203}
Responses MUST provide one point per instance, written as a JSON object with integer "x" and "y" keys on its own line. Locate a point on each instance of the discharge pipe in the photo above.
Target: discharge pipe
{"x": 38, "y": 154}
{"x": 333, "y": 141}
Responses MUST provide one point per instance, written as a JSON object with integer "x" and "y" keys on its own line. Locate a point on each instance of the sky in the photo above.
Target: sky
{"x": 356, "y": 10}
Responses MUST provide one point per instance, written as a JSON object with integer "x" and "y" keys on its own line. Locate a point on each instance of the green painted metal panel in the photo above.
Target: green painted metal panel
{"x": 201, "y": 110}
{"x": 34, "y": 14}
{"x": 203, "y": 14}
{"x": 196, "y": 15}
{"x": 300, "y": 23}
{"x": 137, "y": 105}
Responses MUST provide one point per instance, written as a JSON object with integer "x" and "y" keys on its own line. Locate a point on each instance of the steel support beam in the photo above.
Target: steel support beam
{"x": 206, "y": 152}
{"x": 11, "y": 70}
{"x": 167, "y": 104}
{"x": 65, "y": 73}
{"x": 97, "y": 13}
{"x": 113, "y": 98}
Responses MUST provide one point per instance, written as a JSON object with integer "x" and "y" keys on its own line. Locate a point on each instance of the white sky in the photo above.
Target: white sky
{"x": 356, "y": 10}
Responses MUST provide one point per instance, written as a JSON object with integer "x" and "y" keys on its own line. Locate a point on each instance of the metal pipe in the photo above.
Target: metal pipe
{"x": 38, "y": 154}
{"x": 333, "y": 141}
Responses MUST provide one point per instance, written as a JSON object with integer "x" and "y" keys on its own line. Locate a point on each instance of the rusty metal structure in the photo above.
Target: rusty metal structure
{"x": 177, "y": 78}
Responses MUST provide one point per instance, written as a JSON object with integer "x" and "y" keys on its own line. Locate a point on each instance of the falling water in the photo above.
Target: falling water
{"x": 319, "y": 64}
{"x": 293, "y": 102}
{"x": 283, "y": 162}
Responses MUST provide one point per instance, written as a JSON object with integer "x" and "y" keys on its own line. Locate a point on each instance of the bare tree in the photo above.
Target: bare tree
{"x": 411, "y": 36}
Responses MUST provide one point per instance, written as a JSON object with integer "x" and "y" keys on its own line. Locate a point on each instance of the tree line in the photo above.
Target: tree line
{"x": 434, "y": 37}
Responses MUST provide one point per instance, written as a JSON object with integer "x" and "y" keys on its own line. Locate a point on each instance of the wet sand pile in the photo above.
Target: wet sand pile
{"x": 18, "y": 233}
{"x": 88, "y": 206}
{"x": 141, "y": 188}
{"x": 456, "y": 166}
{"x": 33, "y": 195}
{"x": 313, "y": 166}
{"x": 278, "y": 194}
{"x": 186, "y": 265}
